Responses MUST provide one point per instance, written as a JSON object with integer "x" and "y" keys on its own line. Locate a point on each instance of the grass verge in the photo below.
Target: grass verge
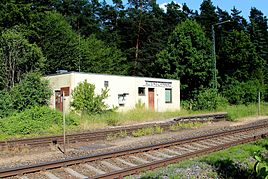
{"x": 30, "y": 120}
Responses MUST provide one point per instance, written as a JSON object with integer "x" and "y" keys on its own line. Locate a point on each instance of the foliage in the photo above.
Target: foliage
{"x": 86, "y": 101}
{"x": 185, "y": 125}
{"x": 18, "y": 57}
{"x": 236, "y": 112}
{"x": 31, "y": 91}
{"x": 239, "y": 59}
{"x": 242, "y": 92}
{"x": 35, "y": 120}
{"x": 139, "y": 38}
{"x": 209, "y": 99}
{"x": 98, "y": 57}
{"x": 58, "y": 41}
{"x": 187, "y": 57}
{"x": 261, "y": 165}
{"x": 140, "y": 105}
{"x": 6, "y": 105}
{"x": 147, "y": 131}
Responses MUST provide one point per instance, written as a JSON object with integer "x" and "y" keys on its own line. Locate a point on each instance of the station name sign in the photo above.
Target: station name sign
{"x": 158, "y": 84}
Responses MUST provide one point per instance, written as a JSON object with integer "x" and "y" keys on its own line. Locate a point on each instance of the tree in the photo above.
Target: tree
{"x": 82, "y": 15}
{"x": 258, "y": 32}
{"x": 208, "y": 16}
{"x": 31, "y": 91}
{"x": 239, "y": 59}
{"x": 187, "y": 57}
{"x": 238, "y": 22}
{"x": 58, "y": 41}
{"x": 18, "y": 57}
{"x": 98, "y": 57}
{"x": 86, "y": 101}
{"x": 142, "y": 35}
{"x": 6, "y": 105}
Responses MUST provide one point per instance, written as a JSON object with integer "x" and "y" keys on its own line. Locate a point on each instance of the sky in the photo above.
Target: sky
{"x": 242, "y": 5}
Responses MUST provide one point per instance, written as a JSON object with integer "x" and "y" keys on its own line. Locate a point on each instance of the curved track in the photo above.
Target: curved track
{"x": 133, "y": 161}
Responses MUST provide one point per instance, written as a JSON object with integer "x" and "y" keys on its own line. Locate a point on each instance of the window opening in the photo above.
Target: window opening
{"x": 141, "y": 91}
{"x": 168, "y": 95}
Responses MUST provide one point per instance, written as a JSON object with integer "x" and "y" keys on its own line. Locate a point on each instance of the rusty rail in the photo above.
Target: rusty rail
{"x": 133, "y": 170}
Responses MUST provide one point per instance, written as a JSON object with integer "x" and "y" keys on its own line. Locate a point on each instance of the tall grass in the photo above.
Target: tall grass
{"x": 138, "y": 115}
{"x": 237, "y": 112}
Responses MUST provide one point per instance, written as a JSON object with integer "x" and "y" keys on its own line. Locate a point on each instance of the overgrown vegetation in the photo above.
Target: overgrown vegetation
{"x": 33, "y": 121}
{"x": 31, "y": 91}
{"x": 139, "y": 39}
{"x": 86, "y": 101}
{"x": 209, "y": 99}
{"x": 182, "y": 125}
{"x": 147, "y": 131}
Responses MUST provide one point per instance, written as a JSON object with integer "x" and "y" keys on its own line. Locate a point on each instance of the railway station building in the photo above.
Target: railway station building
{"x": 124, "y": 91}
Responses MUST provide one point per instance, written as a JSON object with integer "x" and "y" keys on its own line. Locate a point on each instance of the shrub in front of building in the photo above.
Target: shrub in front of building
{"x": 85, "y": 101}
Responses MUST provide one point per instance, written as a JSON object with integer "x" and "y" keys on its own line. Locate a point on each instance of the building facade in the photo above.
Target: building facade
{"x": 124, "y": 91}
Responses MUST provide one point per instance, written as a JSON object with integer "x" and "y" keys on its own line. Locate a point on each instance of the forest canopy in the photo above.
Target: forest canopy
{"x": 136, "y": 39}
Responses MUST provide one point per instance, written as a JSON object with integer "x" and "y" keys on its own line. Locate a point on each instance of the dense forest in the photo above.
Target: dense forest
{"x": 137, "y": 39}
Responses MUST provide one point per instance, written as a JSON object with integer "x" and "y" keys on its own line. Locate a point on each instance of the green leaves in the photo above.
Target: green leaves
{"x": 261, "y": 166}
{"x": 31, "y": 91}
{"x": 18, "y": 56}
{"x": 98, "y": 57}
{"x": 86, "y": 101}
{"x": 187, "y": 57}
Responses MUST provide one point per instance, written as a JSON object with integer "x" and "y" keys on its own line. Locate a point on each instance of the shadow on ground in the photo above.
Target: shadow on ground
{"x": 228, "y": 169}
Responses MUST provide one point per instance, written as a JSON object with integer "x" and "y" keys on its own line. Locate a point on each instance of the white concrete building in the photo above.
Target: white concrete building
{"x": 124, "y": 91}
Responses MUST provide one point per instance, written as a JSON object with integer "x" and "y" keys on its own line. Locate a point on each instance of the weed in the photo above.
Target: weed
{"x": 158, "y": 130}
{"x": 138, "y": 133}
{"x": 111, "y": 136}
{"x": 147, "y": 131}
{"x": 122, "y": 134}
{"x": 184, "y": 125}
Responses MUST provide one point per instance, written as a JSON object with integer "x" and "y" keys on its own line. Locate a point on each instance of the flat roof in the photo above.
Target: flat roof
{"x": 85, "y": 73}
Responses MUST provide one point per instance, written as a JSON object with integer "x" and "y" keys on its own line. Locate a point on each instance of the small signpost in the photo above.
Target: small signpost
{"x": 63, "y": 116}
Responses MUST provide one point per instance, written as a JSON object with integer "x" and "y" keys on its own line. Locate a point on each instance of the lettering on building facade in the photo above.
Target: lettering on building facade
{"x": 158, "y": 84}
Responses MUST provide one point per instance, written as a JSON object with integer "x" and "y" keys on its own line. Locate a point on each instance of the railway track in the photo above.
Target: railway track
{"x": 102, "y": 134}
{"x": 132, "y": 161}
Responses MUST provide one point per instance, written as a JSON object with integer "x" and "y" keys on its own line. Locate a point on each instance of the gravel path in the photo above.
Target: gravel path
{"x": 27, "y": 156}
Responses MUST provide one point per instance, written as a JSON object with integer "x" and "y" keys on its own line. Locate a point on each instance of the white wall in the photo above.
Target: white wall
{"x": 119, "y": 85}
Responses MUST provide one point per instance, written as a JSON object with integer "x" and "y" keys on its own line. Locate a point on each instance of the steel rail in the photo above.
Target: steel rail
{"x": 84, "y": 159}
{"x": 165, "y": 162}
{"x": 102, "y": 134}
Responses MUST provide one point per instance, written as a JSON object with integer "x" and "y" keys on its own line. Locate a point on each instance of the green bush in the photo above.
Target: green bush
{"x": 31, "y": 91}
{"x": 86, "y": 101}
{"x": 33, "y": 121}
{"x": 242, "y": 92}
{"x": 6, "y": 106}
{"x": 209, "y": 99}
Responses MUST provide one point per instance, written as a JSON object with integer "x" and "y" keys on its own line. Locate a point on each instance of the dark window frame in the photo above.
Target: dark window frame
{"x": 170, "y": 100}
{"x": 143, "y": 91}
{"x": 106, "y": 84}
